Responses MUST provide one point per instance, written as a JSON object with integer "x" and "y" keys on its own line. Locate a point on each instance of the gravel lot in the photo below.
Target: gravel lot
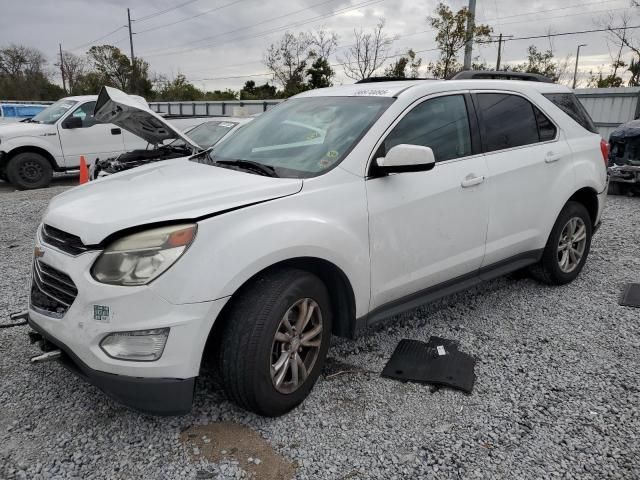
{"x": 557, "y": 391}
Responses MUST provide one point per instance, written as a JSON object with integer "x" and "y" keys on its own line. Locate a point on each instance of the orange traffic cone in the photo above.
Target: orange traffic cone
{"x": 84, "y": 170}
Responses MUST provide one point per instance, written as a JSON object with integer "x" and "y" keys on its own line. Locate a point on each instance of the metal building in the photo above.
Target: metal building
{"x": 610, "y": 107}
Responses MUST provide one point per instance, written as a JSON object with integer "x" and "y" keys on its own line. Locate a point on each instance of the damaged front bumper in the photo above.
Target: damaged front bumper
{"x": 624, "y": 174}
{"x": 158, "y": 396}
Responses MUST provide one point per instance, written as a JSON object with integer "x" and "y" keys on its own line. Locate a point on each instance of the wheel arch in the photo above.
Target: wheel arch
{"x": 588, "y": 197}
{"x": 338, "y": 285}
{"x": 31, "y": 148}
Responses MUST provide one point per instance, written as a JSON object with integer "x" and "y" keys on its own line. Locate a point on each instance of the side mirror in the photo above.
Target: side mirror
{"x": 72, "y": 122}
{"x": 407, "y": 158}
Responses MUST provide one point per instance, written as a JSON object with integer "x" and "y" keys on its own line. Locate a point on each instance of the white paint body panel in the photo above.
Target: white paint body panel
{"x": 390, "y": 236}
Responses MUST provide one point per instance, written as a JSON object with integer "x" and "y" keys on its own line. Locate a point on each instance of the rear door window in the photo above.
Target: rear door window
{"x": 569, "y": 104}
{"x": 507, "y": 121}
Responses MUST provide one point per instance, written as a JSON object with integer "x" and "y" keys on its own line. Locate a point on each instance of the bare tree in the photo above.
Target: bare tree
{"x": 322, "y": 43}
{"x": 73, "y": 66}
{"x": 620, "y": 36}
{"x": 287, "y": 61}
{"x": 368, "y": 53}
{"x": 16, "y": 60}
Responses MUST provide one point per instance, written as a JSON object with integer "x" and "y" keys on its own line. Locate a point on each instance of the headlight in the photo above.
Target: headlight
{"x": 141, "y": 345}
{"x": 139, "y": 258}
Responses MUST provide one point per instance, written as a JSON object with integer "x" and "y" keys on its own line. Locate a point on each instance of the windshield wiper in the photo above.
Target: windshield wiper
{"x": 266, "y": 170}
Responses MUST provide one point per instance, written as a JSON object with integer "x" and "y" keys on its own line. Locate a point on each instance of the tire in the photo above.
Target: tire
{"x": 249, "y": 348}
{"x": 615, "y": 188}
{"x": 3, "y": 174}
{"x": 29, "y": 170}
{"x": 558, "y": 267}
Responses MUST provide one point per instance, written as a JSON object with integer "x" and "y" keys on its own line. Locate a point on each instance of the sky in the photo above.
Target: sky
{"x": 219, "y": 44}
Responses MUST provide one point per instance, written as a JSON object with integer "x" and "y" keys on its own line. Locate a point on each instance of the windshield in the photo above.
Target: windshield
{"x": 52, "y": 113}
{"x": 207, "y": 134}
{"x": 302, "y": 137}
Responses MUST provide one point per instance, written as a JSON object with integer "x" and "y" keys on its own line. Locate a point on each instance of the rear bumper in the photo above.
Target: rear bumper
{"x": 157, "y": 396}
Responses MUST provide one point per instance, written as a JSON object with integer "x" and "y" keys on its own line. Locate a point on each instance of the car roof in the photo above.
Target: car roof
{"x": 412, "y": 87}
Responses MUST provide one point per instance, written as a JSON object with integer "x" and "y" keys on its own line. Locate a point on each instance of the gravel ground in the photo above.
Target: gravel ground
{"x": 557, "y": 391}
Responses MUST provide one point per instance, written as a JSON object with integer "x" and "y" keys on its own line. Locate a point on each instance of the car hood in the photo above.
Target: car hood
{"x": 176, "y": 190}
{"x": 23, "y": 129}
{"x": 135, "y": 116}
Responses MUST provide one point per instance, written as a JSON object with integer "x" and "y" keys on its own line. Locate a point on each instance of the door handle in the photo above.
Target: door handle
{"x": 470, "y": 181}
{"x": 552, "y": 157}
{"x": 116, "y": 131}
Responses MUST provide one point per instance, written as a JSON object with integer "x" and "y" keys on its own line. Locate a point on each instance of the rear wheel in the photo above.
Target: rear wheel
{"x": 567, "y": 247}
{"x": 275, "y": 340}
{"x": 29, "y": 170}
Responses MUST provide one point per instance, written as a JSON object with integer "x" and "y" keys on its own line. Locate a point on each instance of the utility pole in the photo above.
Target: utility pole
{"x": 500, "y": 40}
{"x": 64, "y": 83}
{"x": 133, "y": 62}
{"x": 470, "y": 27}
{"x": 575, "y": 70}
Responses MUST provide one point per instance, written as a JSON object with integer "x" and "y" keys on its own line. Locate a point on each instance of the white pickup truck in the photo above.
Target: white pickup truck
{"x": 54, "y": 140}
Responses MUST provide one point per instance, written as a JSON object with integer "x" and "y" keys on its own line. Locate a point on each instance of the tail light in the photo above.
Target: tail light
{"x": 604, "y": 148}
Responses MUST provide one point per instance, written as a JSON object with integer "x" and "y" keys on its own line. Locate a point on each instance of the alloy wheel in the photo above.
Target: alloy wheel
{"x": 573, "y": 240}
{"x": 296, "y": 345}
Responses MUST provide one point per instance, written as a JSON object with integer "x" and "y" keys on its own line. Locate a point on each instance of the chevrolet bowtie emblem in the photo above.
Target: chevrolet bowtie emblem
{"x": 38, "y": 252}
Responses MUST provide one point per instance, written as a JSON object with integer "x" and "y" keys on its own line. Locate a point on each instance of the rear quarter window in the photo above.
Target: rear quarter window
{"x": 569, "y": 104}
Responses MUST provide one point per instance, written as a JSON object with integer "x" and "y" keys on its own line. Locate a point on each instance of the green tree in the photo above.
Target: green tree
{"x": 451, "y": 37}
{"x": 407, "y": 66}
{"x": 604, "y": 81}
{"x": 227, "y": 94}
{"x": 320, "y": 74}
{"x": 179, "y": 90}
{"x": 542, "y": 63}
{"x": 112, "y": 65}
{"x": 287, "y": 61}
{"x": 634, "y": 68}
{"x": 251, "y": 91}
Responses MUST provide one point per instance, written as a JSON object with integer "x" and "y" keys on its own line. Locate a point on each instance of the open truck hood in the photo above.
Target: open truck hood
{"x": 125, "y": 111}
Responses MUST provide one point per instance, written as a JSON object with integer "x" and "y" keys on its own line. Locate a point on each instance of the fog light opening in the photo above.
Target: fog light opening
{"x": 139, "y": 346}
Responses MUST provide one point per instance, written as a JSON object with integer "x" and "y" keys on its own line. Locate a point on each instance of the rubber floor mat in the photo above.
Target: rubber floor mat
{"x": 631, "y": 295}
{"x": 437, "y": 362}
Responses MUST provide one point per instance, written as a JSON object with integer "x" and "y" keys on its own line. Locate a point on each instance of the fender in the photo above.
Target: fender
{"x": 252, "y": 239}
{"x": 42, "y": 142}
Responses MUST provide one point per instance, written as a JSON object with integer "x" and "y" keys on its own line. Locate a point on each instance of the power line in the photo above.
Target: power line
{"x": 579, "y": 32}
{"x": 206, "y": 12}
{"x": 261, "y": 22}
{"x": 162, "y": 12}
{"x": 267, "y": 32}
{"x": 426, "y": 31}
{"x": 550, "y": 10}
{"x": 504, "y": 40}
{"x": 98, "y": 39}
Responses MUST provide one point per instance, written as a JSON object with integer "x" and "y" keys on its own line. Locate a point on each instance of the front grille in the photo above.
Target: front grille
{"x": 51, "y": 289}
{"x": 64, "y": 241}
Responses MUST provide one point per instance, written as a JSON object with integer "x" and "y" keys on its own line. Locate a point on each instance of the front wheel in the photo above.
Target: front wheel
{"x": 567, "y": 247}
{"x": 29, "y": 170}
{"x": 275, "y": 340}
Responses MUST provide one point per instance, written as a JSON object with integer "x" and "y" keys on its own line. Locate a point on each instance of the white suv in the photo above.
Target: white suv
{"x": 329, "y": 213}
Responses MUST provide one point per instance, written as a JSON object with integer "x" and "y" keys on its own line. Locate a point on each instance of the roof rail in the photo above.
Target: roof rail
{"x": 390, "y": 79}
{"x": 500, "y": 75}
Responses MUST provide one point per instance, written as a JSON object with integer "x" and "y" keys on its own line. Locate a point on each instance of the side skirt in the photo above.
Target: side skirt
{"x": 436, "y": 292}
